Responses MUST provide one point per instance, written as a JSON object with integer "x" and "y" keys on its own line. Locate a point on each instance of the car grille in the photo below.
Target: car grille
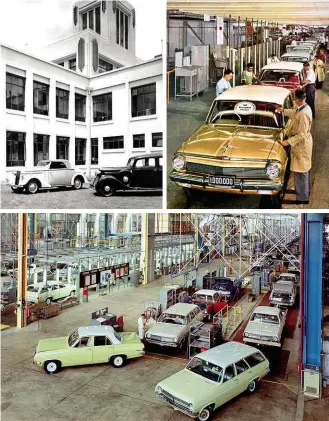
{"x": 175, "y": 401}
{"x": 262, "y": 338}
{"x": 217, "y": 170}
{"x": 161, "y": 338}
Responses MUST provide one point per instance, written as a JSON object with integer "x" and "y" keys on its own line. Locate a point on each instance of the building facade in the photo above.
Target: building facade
{"x": 89, "y": 99}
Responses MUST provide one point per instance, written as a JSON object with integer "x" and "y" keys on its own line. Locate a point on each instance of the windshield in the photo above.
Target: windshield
{"x": 202, "y": 297}
{"x": 295, "y": 58}
{"x": 43, "y": 163}
{"x": 172, "y": 318}
{"x": 130, "y": 162}
{"x": 73, "y": 337}
{"x": 117, "y": 335}
{"x": 244, "y": 113}
{"x": 265, "y": 318}
{"x": 280, "y": 76}
{"x": 206, "y": 369}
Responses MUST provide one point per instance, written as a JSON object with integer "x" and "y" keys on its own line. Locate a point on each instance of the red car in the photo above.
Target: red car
{"x": 206, "y": 299}
{"x": 286, "y": 74}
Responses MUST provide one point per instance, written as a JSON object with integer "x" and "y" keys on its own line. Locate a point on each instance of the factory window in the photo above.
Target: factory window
{"x": 40, "y": 98}
{"x": 122, "y": 22}
{"x": 80, "y": 107}
{"x": 62, "y": 103}
{"x": 104, "y": 66}
{"x": 40, "y": 147}
{"x": 156, "y": 140}
{"x": 80, "y": 151}
{"x": 62, "y": 147}
{"x": 139, "y": 141}
{"x": 84, "y": 21}
{"x": 113, "y": 142}
{"x": 91, "y": 19}
{"x": 94, "y": 151}
{"x": 98, "y": 19}
{"x": 102, "y": 107}
{"x": 15, "y": 92}
{"x": 15, "y": 149}
{"x": 143, "y": 100}
{"x": 73, "y": 64}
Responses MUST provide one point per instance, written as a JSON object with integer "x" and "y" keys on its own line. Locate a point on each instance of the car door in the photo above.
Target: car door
{"x": 81, "y": 353}
{"x": 229, "y": 387}
{"x": 156, "y": 165}
{"x": 59, "y": 174}
{"x": 257, "y": 365}
{"x": 63, "y": 290}
{"x": 54, "y": 292}
{"x": 44, "y": 293}
{"x": 102, "y": 349}
{"x": 142, "y": 176}
{"x": 243, "y": 375}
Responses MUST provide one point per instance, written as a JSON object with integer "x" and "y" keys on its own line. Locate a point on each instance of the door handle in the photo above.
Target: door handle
{"x": 236, "y": 380}
{"x": 250, "y": 372}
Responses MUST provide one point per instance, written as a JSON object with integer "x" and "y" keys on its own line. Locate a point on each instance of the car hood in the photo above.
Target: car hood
{"x": 130, "y": 338}
{"x": 165, "y": 329}
{"x": 267, "y": 329}
{"x": 187, "y": 386}
{"x": 233, "y": 142}
{"x": 52, "y": 344}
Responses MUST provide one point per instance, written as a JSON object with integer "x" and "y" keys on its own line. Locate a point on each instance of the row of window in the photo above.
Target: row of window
{"x": 92, "y": 20}
{"x": 143, "y": 100}
{"x": 16, "y": 147}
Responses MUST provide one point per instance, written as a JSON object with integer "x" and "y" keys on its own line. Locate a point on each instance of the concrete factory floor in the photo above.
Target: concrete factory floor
{"x": 101, "y": 392}
{"x": 185, "y": 117}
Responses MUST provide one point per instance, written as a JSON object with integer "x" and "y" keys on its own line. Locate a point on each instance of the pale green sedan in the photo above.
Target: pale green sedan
{"x": 88, "y": 345}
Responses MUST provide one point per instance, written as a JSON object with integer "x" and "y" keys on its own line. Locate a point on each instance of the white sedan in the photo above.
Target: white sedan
{"x": 46, "y": 292}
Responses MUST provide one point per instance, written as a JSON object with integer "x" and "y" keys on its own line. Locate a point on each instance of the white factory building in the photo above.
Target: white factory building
{"x": 86, "y": 98}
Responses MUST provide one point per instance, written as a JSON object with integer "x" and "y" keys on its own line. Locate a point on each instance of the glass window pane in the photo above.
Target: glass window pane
{"x": 126, "y": 32}
{"x": 98, "y": 19}
{"x": 143, "y": 100}
{"x": 91, "y": 19}
{"x": 84, "y": 21}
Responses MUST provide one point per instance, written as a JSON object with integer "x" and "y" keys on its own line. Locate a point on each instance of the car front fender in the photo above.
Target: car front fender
{"x": 114, "y": 182}
{"x": 28, "y": 177}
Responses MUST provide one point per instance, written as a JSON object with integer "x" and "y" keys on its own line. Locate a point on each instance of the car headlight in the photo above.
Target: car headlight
{"x": 273, "y": 170}
{"x": 246, "y": 334}
{"x": 148, "y": 335}
{"x": 158, "y": 390}
{"x": 175, "y": 339}
{"x": 97, "y": 172}
{"x": 275, "y": 338}
{"x": 178, "y": 162}
{"x": 190, "y": 406}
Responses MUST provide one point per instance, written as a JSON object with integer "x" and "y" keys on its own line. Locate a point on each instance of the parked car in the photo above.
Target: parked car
{"x": 265, "y": 326}
{"x": 284, "y": 73}
{"x": 88, "y": 345}
{"x": 46, "y": 292}
{"x": 238, "y": 150}
{"x": 142, "y": 172}
{"x": 173, "y": 325}
{"x": 46, "y": 175}
{"x": 283, "y": 293}
{"x": 213, "y": 378}
{"x": 299, "y": 56}
{"x": 205, "y": 299}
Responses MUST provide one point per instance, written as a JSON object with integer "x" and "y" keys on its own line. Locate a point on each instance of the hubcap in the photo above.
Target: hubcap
{"x": 51, "y": 367}
{"x": 252, "y": 386}
{"x": 107, "y": 189}
{"x": 33, "y": 187}
{"x": 77, "y": 183}
{"x": 204, "y": 415}
{"x": 118, "y": 361}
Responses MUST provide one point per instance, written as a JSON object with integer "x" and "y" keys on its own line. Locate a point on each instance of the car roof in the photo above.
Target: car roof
{"x": 206, "y": 291}
{"x": 148, "y": 155}
{"x": 284, "y": 283}
{"x": 285, "y": 65}
{"x": 181, "y": 308}
{"x": 298, "y": 53}
{"x": 273, "y": 94}
{"x": 267, "y": 310}
{"x": 95, "y": 330}
{"x": 291, "y": 275}
{"x": 227, "y": 353}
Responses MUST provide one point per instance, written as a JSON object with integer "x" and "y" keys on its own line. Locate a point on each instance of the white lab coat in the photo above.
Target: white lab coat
{"x": 141, "y": 327}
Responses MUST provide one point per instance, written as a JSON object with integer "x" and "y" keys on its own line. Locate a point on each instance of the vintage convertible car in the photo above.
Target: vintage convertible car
{"x": 286, "y": 74}
{"x": 142, "y": 172}
{"x": 47, "y": 174}
{"x": 238, "y": 149}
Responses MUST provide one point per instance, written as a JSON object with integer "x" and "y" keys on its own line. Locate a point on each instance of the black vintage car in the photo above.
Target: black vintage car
{"x": 142, "y": 172}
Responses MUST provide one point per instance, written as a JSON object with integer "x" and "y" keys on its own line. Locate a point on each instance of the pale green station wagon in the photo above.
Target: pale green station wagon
{"x": 88, "y": 345}
{"x": 214, "y": 377}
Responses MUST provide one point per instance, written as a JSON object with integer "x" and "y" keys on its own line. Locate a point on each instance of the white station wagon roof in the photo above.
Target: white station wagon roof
{"x": 228, "y": 353}
{"x": 181, "y": 308}
{"x": 297, "y": 53}
{"x": 267, "y": 310}
{"x": 284, "y": 285}
{"x": 272, "y": 94}
{"x": 95, "y": 330}
{"x": 285, "y": 65}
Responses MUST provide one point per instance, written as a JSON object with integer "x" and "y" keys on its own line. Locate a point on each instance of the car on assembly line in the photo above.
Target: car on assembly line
{"x": 142, "y": 173}
{"x": 88, "y": 345}
{"x": 47, "y": 174}
{"x": 213, "y": 378}
{"x": 205, "y": 299}
{"x": 283, "y": 293}
{"x": 297, "y": 56}
{"x": 238, "y": 149}
{"x": 284, "y": 73}
{"x": 42, "y": 292}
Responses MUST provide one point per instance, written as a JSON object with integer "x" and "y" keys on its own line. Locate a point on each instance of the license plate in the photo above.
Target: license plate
{"x": 221, "y": 181}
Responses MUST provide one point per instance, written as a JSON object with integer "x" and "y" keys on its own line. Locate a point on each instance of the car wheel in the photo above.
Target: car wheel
{"x": 205, "y": 414}
{"x": 106, "y": 189}
{"x": 17, "y": 189}
{"x": 118, "y": 361}
{"x": 48, "y": 300}
{"x": 252, "y": 386}
{"x": 52, "y": 366}
{"x": 33, "y": 186}
{"x": 77, "y": 183}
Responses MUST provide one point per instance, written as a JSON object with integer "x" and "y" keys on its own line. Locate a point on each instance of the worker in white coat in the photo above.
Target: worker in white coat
{"x": 141, "y": 326}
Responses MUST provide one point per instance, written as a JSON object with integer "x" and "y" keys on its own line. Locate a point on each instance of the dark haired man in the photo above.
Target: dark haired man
{"x": 224, "y": 83}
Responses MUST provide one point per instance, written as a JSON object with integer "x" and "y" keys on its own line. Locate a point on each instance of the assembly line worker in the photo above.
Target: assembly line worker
{"x": 141, "y": 326}
{"x": 319, "y": 70}
{"x": 248, "y": 75}
{"x": 224, "y": 83}
{"x": 309, "y": 85}
{"x": 300, "y": 140}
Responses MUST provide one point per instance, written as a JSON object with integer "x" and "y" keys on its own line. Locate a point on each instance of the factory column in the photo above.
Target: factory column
{"x": 148, "y": 247}
{"x": 196, "y": 239}
{"x": 22, "y": 269}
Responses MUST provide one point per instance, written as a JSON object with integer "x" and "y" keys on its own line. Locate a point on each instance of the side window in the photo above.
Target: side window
{"x": 55, "y": 165}
{"x": 255, "y": 359}
{"x": 189, "y": 318}
{"x": 216, "y": 297}
{"x": 241, "y": 366}
{"x": 83, "y": 341}
{"x": 229, "y": 373}
{"x": 44, "y": 289}
{"x": 161, "y": 161}
{"x": 99, "y": 340}
{"x": 54, "y": 287}
{"x": 140, "y": 163}
{"x": 62, "y": 285}
{"x": 151, "y": 162}
{"x": 107, "y": 341}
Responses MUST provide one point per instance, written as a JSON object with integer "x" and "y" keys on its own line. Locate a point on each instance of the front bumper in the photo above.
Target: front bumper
{"x": 281, "y": 302}
{"x": 162, "y": 343}
{"x": 242, "y": 186}
{"x": 178, "y": 407}
{"x": 262, "y": 342}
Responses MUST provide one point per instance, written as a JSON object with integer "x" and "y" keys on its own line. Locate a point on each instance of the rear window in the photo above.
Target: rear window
{"x": 255, "y": 359}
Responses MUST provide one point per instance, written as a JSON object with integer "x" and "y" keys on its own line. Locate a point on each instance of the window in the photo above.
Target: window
{"x": 151, "y": 162}
{"x": 122, "y": 22}
{"x": 62, "y": 103}
{"x": 62, "y": 147}
{"x": 229, "y": 373}
{"x": 80, "y": 107}
{"x": 61, "y": 64}
{"x": 114, "y": 142}
{"x": 140, "y": 163}
{"x": 80, "y": 151}
{"x": 56, "y": 165}
{"x": 40, "y": 147}
{"x": 91, "y": 19}
{"x": 102, "y": 107}
{"x": 15, "y": 149}
{"x": 104, "y": 66}
{"x": 84, "y": 341}
{"x": 73, "y": 64}
{"x": 44, "y": 289}
{"x": 94, "y": 151}
{"x": 40, "y": 98}
{"x": 143, "y": 100}
{"x": 139, "y": 141}
{"x": 156, "y": 140}
{"x": 241, "y": 366}
{"x": 255, "y": 359}
{"x": 98, "y": 19}
{"x": 84, "y": 21}
{"x": 99, "y": 340}
{"x": 15, "y": 92}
